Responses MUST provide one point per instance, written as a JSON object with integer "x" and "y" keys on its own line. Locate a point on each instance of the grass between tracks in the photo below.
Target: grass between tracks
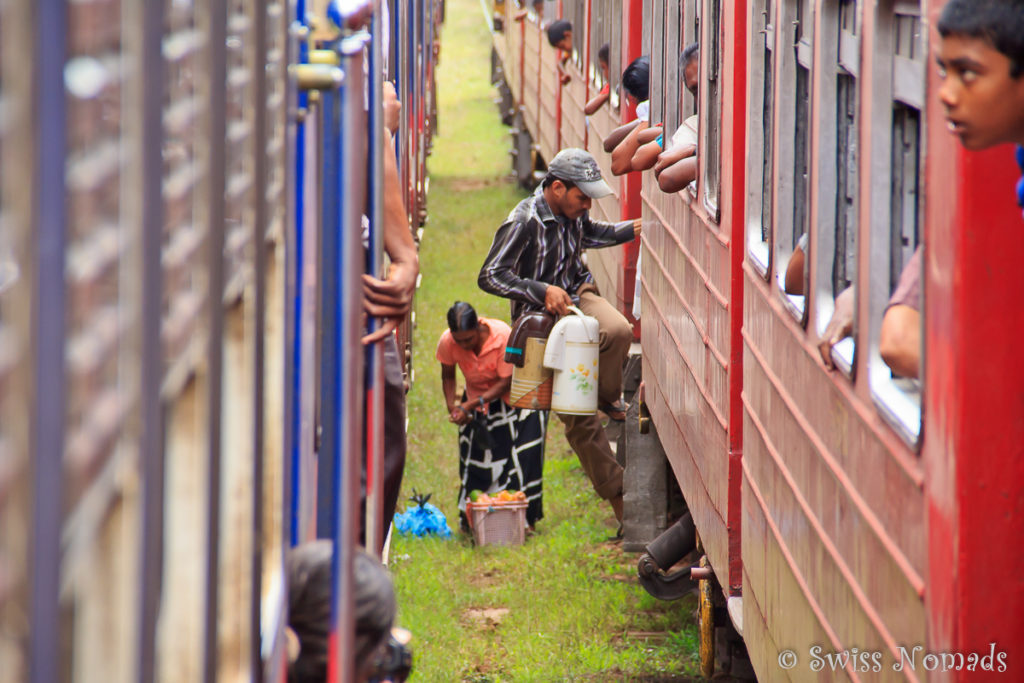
{"x": 566, "y": 606}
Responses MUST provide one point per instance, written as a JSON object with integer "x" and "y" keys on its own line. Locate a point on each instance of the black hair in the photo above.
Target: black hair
{"x": 999, "y": 22}
{"x": 636, "y": 78}
{"x": 557, "y": 31}
{"x": 602, "y": 53}
{"x": 689, "y": 54}
{"x": 550, "y": 178}
{"x": 309, "y": 607}
{"x": 537, "y": 3}
{"x": 462, "y": 317}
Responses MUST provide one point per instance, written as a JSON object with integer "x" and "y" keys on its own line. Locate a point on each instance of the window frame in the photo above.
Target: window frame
{"x": 840, "y": 59}
{"x": 898, "y": 403}
{"x": 709, "y": 159}
{"x": 798, "y": 16}
{"x": 760, "y": 163}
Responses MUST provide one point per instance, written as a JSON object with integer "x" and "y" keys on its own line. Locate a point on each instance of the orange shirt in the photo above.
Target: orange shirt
{"x": 481, "y": 371}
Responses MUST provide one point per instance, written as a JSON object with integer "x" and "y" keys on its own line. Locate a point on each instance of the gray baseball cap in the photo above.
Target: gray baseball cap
{"x": 579, "y": 167}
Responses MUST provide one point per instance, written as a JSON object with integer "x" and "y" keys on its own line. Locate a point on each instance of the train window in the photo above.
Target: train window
{"x": 575, "y": 12}
{"x": 599, "y": 23}
{"x": 654, "y": 39}
{"x": 710, "y": 95}
{"x": 673, "y": 73}
{"x": 690, "y": 21}
{"x": 793, "y": 160}
{"x": 617, "y": 65}
{"x": 836, "y": 236}
{"x": 899, "y": 188}
{"x": 760, "y": 142}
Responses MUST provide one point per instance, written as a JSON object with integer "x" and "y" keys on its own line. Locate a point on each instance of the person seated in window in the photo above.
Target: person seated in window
{"x": 899, "y": 343}
{"x": 981, "y": 60}
{"x": 622, "y": 142}
{"x": 560, "y": 38}
{"x": 676, "y": 166}
{"x": 599, "y": 100}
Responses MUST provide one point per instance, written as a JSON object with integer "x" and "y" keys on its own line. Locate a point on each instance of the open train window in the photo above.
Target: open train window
{"x": 690, "y": 23}
{"x": 575, "y": 13}
{"x": 836, "y": 236}
{"x": 760, "y": 145}
{"x": 794, "y": 122}
{"x": 616, "y": 66}
{"x": 599, "y": 23}
{"x": 671, "y": 14}
{"x": 654, "y": 45}
{"x": 897, "y": 234}
{"x": 710, "y": 96}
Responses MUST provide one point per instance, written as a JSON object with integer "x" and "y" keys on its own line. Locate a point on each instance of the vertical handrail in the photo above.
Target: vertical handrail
{"x": 150, "y": 92}
{"x": 294, "y": 300}
{"x": 48, "y": 337}
{"x": 259, "y": 329}
{"x": 374, "y": 512}
{"x": 215, "y": 214}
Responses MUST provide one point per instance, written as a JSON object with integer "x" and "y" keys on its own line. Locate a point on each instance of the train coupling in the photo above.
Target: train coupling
{"x": 661, "y": 554}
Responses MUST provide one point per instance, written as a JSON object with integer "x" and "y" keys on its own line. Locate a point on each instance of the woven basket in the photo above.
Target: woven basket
{"x": 498, "y": 523}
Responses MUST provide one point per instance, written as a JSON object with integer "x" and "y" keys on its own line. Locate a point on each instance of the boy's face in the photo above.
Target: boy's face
{"x": 984, "y": 104}
{"x": 604, "y": 69}
{"x": 566, "y": 42}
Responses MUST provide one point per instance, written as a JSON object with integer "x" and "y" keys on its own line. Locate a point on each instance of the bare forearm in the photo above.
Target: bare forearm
{"x": 646, "y": 156}
{"x": 899, "y": 343}
{"x": 595, "y": 103}
{"x": 619, "y": 134}
{"x": 398, "y": 241}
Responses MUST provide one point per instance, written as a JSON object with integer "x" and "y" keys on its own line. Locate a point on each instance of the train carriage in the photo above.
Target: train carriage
{"x": 180, "y": 311}
{"x": 847, "y": 508}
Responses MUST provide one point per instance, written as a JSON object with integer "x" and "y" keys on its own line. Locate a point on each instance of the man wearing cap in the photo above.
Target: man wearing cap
{"x": 536, "y": 260}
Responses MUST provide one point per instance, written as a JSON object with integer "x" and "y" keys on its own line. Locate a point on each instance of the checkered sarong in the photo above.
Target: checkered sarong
{"x": 511, "y": 458}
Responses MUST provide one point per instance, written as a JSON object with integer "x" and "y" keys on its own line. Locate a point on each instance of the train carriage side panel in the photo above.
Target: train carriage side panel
{"x": 532, "y": 40}
{"x": 690, "y": 285}
{"x": 550, "y": 94}
{"x": 574, "y": 98}
{"x": 973, "y": 437}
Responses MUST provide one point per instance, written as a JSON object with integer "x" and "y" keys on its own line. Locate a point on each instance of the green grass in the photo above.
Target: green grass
{"x": 575, "y": 611}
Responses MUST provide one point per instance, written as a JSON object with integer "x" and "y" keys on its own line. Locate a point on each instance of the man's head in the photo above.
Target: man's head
{"x": 602, "y": 60}
{"x": 636, "y": 78}
{"x": 981, "y": 59}
{"x": 573, "y": 180}
{"x": 560, "y": 35}
{"x": 689, "y": 66}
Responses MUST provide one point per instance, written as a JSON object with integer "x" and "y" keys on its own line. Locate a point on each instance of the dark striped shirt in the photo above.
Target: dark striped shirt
{"x": 533, "y": 248}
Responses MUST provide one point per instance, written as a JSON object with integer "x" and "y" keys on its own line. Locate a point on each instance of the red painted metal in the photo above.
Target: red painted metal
{"x": 974, "y": 432}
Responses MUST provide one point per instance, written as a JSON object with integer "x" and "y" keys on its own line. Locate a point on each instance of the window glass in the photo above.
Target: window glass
{"x": 895, "y": 238}
{"x": 760, "y": 147}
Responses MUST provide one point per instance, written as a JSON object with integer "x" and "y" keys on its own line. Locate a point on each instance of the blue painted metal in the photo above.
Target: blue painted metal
{"x": 48, "y": 335}
{"x": 295, "y": 303}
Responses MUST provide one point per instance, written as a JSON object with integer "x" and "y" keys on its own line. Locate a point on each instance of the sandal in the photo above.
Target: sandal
{"x": 616, "y": 411}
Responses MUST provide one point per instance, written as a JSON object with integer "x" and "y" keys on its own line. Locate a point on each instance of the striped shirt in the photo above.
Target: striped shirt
{"x": 533, "y": 248}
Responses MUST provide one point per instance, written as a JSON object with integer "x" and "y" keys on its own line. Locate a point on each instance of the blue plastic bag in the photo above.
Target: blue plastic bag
{"x": 423, "y": 520}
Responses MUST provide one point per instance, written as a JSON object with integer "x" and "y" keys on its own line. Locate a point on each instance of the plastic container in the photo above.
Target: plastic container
{"x": 497, "y": 523}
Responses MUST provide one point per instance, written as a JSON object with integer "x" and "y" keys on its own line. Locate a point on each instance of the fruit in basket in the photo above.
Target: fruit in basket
{"x": 475, "y": 494}
{"x": 520, "y": 496}
{"x": 505, "y": 497}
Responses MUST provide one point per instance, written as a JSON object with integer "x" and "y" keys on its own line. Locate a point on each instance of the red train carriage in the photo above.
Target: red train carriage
{"x": 847, "y": 508}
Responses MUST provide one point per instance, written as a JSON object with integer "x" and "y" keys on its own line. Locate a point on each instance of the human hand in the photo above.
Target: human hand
{"x": 388, "y": 299}
{"x": 392, "y": 107}
{"x": 557, "y": 300}
{"x": 638, "y": 224}
{"x": 839, "y": 326}
{"x": 565, "y": 78}
{"x": 458, "y": 415}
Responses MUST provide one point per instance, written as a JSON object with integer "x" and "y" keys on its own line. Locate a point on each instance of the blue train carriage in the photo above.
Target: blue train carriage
{"x": 175, "y": 184}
